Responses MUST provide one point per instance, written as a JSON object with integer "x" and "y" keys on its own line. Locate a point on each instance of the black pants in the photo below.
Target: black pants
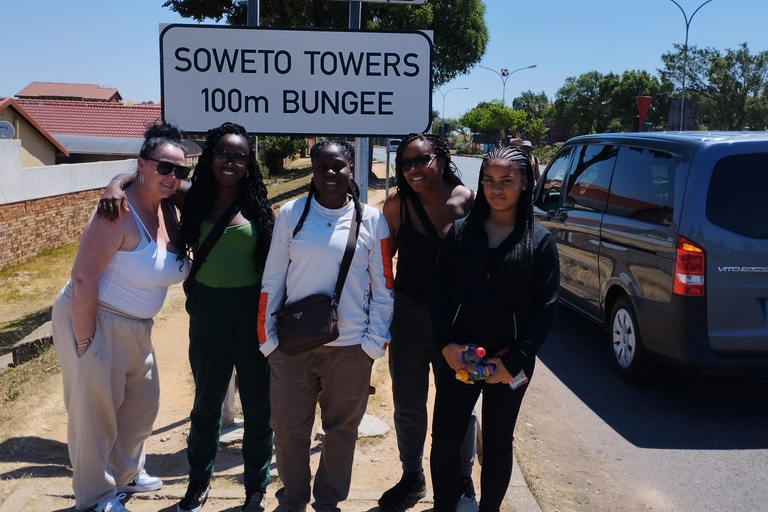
{"x": 453, "y": 407}
{"x": 222, "y": 336}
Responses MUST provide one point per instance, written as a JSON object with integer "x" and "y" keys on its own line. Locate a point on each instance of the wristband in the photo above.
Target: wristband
{"x": 84, "y": 343}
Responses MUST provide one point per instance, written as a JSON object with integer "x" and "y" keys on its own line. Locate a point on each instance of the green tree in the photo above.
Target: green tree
{"x": 729, "y": 86}
{"x": 460, "y": 33}
{"x": 583, "y": 104}
{"x": 535, "y": 129}
{"x": 276, "y": 149}
{"x": 490, "y": 118}
{"x": 534, "y": 105}
{"x": 624, "y": 99}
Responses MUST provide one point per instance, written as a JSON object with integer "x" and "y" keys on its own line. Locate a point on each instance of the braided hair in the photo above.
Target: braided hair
{"x": 348, "y": 150}
{"x": 440, "y": 147}
{"x": 518, "y": 268}
{"x": 251, "y": 198}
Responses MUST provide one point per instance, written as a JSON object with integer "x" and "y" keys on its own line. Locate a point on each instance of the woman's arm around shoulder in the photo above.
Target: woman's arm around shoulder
{"x": 376, "y": 337}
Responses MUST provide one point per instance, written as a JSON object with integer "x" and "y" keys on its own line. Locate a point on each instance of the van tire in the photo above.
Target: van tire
{"x": 625, "y": 340}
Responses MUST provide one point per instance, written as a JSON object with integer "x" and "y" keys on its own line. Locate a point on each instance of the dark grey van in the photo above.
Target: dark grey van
{"x": 663, "y": 239}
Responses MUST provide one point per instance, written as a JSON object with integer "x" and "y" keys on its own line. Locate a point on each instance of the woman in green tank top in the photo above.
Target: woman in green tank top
{"x": 222, "y": 306}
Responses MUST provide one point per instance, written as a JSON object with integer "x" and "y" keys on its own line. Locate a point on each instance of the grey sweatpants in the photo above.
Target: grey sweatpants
{"x": 411, "y": 352}
{"x": 339, "y": 378}
{"x": 112, "y": 396}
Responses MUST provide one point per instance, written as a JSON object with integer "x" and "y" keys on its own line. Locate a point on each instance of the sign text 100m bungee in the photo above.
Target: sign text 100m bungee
{"x": 278, "y": 81}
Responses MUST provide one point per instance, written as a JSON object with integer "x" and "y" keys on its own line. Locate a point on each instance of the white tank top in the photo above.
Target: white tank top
{"x": 137, "y": 281}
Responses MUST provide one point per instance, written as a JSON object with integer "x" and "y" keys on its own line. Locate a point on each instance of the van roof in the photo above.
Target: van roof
{"x": 686, "y": 138}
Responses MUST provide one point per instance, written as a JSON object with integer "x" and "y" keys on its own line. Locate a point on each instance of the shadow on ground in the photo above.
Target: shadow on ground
{"x": 670, "y": 410}
{"x": 17, "y": 330}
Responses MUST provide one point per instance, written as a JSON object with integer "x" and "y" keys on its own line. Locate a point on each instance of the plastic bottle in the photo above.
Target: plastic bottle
{"x": 482, "y": 372}
{"x": 473, "y": 356}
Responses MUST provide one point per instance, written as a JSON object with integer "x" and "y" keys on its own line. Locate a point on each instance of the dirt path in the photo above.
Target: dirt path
{"x": 34, "y": 465}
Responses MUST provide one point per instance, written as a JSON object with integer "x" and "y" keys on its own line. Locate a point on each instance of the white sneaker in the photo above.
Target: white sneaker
{"x": 111, "y": 505}
{"x": 142, "y": 483}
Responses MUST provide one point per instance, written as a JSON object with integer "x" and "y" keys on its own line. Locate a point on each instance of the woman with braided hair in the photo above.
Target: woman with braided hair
{"x": 496, "y": 286}
{"x": 429, "y": 198}
{"x": 309, "y": 242}
{"x": 222, "y": 304}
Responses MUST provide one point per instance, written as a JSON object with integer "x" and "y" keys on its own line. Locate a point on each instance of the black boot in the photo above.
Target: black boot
{"x": 409, "y": 490}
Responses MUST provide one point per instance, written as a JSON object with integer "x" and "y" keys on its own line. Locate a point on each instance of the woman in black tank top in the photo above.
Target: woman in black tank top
{"x": 429, "y": 198}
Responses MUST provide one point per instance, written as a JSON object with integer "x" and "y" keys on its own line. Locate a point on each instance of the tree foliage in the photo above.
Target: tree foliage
{"x": 489, "y": 118}
{"x": 595, "y": 103}
{"x": 277, "y": 148}
{"x": 460, "y": 33}
{"x": 730, "y": 87}
{"x": 534, "y": 105}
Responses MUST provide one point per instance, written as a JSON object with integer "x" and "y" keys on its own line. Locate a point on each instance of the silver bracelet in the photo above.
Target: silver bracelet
{"x": 84, "y": 343}
{"x": 115, "y": 181}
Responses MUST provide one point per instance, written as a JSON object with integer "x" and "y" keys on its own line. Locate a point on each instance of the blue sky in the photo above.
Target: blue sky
{"x": 115, "y": 44}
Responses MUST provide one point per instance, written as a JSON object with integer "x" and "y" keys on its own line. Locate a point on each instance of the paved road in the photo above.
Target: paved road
{"x": 675, "y": 444}
{"x": 469, "y": 167}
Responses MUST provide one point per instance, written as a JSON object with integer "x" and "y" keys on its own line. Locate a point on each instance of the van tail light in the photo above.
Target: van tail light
{"x": 689, "y": 269}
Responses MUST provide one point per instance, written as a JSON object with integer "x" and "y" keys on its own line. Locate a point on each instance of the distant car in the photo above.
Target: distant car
{"x": 393, "y": 145}
{"x": 663, "y": 240}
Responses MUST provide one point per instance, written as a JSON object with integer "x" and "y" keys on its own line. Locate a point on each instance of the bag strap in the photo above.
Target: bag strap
{"x": 218, "y": 229}
{"x": 346, "y": 262}
{"x": 423, "y": 217}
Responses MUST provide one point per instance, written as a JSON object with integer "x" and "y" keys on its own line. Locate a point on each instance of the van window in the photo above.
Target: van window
{"x": 736, "y": 199}
{"x": 588, "y": 182}
{"x": 553, "y": 181}
{"x": 643, "y": 185}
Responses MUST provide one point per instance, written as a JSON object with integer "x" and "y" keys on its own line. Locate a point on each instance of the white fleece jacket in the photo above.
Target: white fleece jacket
{"x": 309, "y": 263}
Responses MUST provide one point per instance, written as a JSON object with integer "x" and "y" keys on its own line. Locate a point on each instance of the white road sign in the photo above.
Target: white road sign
{"x": 277, "y": 81}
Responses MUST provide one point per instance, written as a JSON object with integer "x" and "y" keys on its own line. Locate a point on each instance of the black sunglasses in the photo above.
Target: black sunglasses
{"x": 165, "y": 168}
{"x": 225, "y": 157}
{"x": 421, "y": 160}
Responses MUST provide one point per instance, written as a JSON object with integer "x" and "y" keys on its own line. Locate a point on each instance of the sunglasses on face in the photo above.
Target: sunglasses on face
{"x": 225, "y": 157}
{"x": 165, "y": 168}
{"x": 421, "y": 160}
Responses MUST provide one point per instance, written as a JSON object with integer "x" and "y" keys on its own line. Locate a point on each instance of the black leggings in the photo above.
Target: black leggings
{"x": 453, "y": 406}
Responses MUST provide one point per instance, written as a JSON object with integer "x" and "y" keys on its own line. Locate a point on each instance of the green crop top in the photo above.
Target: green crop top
{"x": 230, "y": 263}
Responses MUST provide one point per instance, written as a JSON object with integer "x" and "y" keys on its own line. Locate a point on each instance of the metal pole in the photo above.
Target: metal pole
{"x": 442, "y": 112}
{"x": 685, "y": 53}
{"x": 362, "y": 144}
{"x": 253, "y": 13}
{"x": 505, "y": 74}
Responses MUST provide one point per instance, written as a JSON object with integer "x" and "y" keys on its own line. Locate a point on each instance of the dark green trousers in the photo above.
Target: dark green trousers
{"x": 222, "y": 336}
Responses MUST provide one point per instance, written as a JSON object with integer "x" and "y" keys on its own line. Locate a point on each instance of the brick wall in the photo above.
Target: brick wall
{"x": 27, "y": 227}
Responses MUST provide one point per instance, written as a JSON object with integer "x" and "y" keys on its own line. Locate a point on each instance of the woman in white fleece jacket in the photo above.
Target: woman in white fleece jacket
{"x": 308, "y": 243}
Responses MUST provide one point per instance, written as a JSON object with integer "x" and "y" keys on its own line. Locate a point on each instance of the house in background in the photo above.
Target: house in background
{"x": 90, "y": 121}
{"x": 72, "y": 92}
{"x": 38, "y": 146}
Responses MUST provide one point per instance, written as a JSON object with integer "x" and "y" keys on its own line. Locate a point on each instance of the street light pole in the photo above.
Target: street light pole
{"x": 442, "y": 112}
{"x": 685, "y": 52}
{"x": 505, "y": 74}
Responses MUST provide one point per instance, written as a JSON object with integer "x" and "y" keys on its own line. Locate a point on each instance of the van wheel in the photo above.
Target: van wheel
{"x": 626, "y": 345}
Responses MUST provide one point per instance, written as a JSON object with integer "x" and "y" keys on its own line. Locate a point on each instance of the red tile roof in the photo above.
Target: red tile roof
{"x": 64, "y": 91}
{"x": 98, "y": 119}
{"x": 10, "y": 103}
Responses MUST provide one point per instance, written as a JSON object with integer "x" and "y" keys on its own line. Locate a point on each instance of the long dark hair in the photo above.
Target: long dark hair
{"x": 518, "y": 268}
{"x": 440, "y": 148}
{"x": 252, "y": 195}
{"x": 349, "y": 153}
